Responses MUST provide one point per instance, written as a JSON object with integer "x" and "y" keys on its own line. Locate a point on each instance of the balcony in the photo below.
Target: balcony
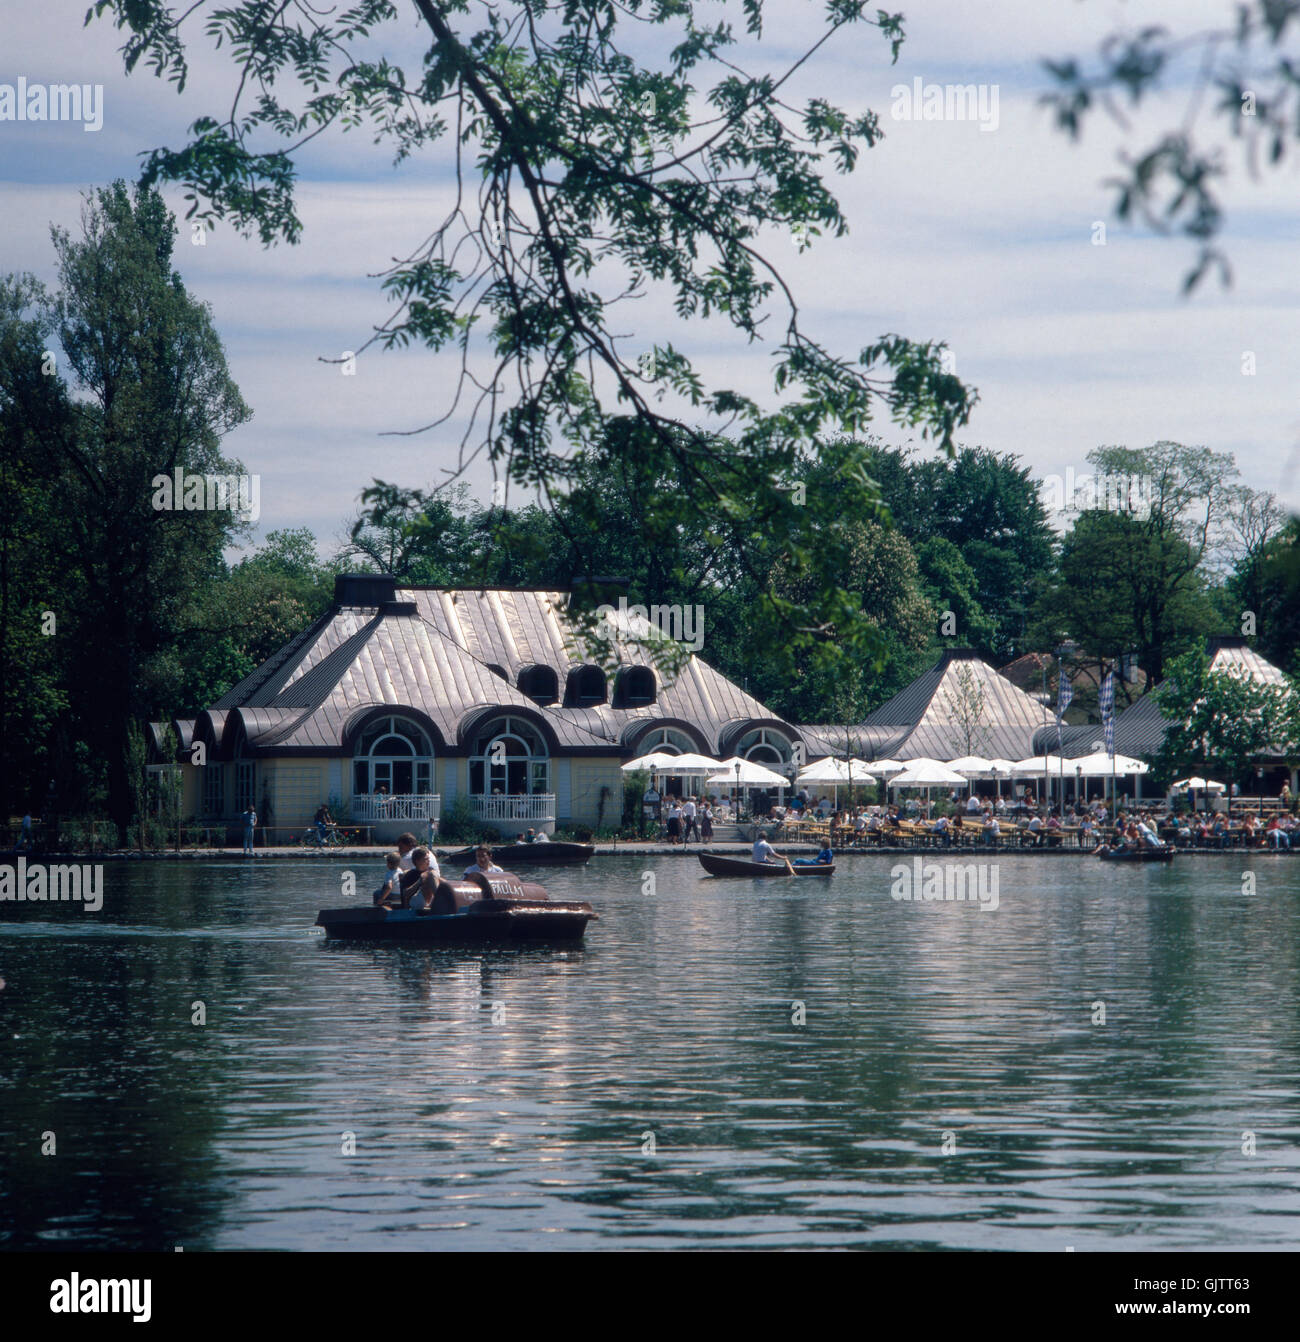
{"x": 521, "y": 809}
{"x": 370, "y": 808}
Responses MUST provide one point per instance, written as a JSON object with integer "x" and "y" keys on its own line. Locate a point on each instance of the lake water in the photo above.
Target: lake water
{"x": 951, "y": 1084}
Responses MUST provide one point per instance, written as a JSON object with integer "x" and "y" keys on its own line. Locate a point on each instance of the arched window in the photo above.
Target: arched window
{"x": 635, "y": 687}
{"x": 668, "y": 740}
{"x": 586, "y": 687}
{"x": 540, "y": 684}
{"x": 765, "y": 746}
{"x": 509, "y": 758}
{"x": 393, "y": 754}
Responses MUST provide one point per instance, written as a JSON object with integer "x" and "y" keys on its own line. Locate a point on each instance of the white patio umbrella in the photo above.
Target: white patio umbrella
{"x": 751, "y": 775}
{"x": 835, "y": 774}
{"x": 657, "y": 759}
{"x": 886, "y": 767}
{"x": 928, "y": 773}
{"x": 1035, "y": 766}
{"x": 691, "y": 765}
{"x": 972, "y": 766}
{"x": 1195, "y": 785}
{"x": 748, "y": 775}
{"x": 1099, "y": 765}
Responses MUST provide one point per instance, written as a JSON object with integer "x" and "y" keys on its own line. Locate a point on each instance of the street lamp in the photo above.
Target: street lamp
{"x": 737, "y": 789}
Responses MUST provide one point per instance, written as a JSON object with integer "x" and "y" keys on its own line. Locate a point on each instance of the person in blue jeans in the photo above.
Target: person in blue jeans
{"x": 250, "y": 825}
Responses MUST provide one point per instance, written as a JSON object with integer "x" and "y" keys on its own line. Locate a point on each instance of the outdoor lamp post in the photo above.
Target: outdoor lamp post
{"x": 737, "y": 789}
{"x": 1096, "y": 746}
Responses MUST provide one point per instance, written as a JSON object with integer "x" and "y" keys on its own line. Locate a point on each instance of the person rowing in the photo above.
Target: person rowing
{"x": 767, "y": 855}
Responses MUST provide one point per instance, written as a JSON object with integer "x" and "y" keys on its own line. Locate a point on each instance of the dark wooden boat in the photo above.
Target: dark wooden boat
{"x": 527, "y": 854}
{"x": 718, "y": 865}
{"x": 479, "y": 908}
{"x": 1165, "y": 854}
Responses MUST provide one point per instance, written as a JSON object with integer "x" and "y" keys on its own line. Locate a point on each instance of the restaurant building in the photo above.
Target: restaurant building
{"x": 400, "y": 700}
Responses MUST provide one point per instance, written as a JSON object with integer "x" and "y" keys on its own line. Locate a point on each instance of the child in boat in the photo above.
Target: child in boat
{"x": 824, "y": 858}
{"x": 390, "y": 892}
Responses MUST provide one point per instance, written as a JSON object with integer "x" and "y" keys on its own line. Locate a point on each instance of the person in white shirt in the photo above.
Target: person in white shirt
{"x": 482, "y": 864}
{"x": 972, "y": 804}
{"x": 688, "y": 820}
{"x": 765, "y": 853}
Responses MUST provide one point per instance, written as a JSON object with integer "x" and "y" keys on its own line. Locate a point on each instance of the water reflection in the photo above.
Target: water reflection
{"x": 726, "y": 1063}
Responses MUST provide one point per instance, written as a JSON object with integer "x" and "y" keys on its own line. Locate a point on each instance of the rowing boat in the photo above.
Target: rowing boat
{"x": 1165, "y": 854}
{"x": 717, "y": 865}
{"x": 528, "y": 854}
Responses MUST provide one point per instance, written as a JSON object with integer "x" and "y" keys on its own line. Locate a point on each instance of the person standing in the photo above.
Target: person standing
{"x": 706, "y": 823}
{"x": 688, "y": 819}
{"x": 250, "y": 825}
{"x": 25, "y": 837}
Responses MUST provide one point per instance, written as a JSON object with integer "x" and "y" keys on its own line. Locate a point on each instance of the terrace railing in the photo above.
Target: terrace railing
{"x": 369, "y": 807}
{"x": 531, "y": 808}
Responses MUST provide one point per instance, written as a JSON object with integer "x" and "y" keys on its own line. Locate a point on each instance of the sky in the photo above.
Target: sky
{"x": 982, "y": 238}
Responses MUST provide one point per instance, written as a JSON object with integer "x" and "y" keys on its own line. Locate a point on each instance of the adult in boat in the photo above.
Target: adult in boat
{"x": 765, "y": 853}
{"x": 482, "y": 864}
{"x": 1146, "y": 834}
{"x": 405, "y": 847}
{"x": 423, "y": 883}
{"x": 533, "y": 836}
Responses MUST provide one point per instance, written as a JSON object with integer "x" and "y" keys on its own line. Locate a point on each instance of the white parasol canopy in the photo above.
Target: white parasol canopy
{"x": 664, "y": 763}
{"x": 1034, "y": 767}
{"x": 1099, "y": 765}
{"x": 657, "y": 759}
{"x": 1199, "y": 785}
{"x": 834, "y": 773}
{"x": 886, "y": 767}
{"x": 927, "y": 773}
{"x": 751, "y": 775}
{"x": 972, "y": 766}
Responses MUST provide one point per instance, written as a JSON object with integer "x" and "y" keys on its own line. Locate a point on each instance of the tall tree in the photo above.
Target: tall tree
{"x": 585, "y": 178}
{"x": 148, "y": 393}
{"x": 1122, "y": 588}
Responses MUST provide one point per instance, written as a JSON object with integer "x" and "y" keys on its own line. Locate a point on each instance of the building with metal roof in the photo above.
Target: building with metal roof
{"x": 960, "y": 706}
{"x": 1140, "y": 728}
{"x": 399, "y": 700}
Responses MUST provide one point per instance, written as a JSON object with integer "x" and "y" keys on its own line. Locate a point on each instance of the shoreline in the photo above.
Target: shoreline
{"x": 630, "y": 849}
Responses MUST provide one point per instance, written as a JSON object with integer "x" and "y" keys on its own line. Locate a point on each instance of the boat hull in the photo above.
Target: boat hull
{"x": 718, "y": 865}
{"x": 488, "y": 920}
{"x": 1140, "y": 855}
{"x": 510, "y": 855}
{"x": 480, "y": 908}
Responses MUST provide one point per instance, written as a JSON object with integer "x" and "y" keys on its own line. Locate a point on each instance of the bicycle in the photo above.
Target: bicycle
{"x": 335, "y": 837}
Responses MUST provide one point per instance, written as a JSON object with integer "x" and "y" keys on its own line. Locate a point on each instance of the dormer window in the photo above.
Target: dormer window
{"x": 586, "y": 687}
{"x": 635, "y": 687}
{"x": 540, "y": 684}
